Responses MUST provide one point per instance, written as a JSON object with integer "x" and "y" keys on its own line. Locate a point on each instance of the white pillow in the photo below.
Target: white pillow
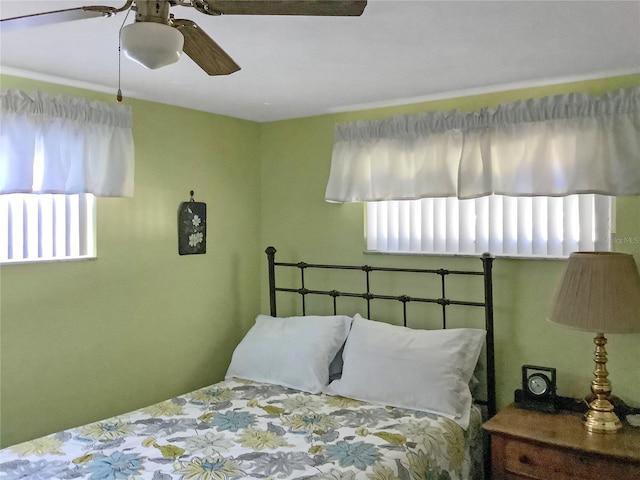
{"x": 427, "y": 370}
{"x": 294, "y": 352}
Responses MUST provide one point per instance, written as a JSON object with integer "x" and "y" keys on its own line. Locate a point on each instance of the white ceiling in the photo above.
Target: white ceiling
{"x": 396, "y": 52}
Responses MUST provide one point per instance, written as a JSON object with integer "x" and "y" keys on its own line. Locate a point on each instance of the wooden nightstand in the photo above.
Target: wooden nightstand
{"x": 546, "y": 446}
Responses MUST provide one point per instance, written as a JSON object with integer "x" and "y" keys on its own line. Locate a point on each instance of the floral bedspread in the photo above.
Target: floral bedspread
{"x": 240, "y": 429}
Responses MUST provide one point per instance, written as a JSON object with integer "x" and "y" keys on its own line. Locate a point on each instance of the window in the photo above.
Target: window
{"x": 44, "y": 227}
{"x": 511, "y": 180}
{"x": 57, "y": 154}
{"x": 47, "y": 227}
{"x": 509, "y": 226}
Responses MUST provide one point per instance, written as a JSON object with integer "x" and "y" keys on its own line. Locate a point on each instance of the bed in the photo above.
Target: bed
{"x": 331, "y": 395}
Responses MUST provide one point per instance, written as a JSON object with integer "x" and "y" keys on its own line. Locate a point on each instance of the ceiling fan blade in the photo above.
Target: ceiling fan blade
{"x": 286, "y": 7}
{"x": 55, "y": 16}
{"x": 203, "y": 50}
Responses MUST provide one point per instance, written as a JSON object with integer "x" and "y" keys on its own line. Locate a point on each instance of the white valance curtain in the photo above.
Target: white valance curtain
{"x": 553, "y": 146}
{"x": 65, "y": 145}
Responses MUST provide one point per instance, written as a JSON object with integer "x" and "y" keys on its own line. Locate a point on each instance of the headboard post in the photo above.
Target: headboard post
{"x": 487, "y": 264}
{"x": 271, "y": 256}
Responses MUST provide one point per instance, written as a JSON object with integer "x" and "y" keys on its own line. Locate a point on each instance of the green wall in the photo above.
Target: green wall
{"x": 85, "y": 340}
{"x": 295, "y": 167}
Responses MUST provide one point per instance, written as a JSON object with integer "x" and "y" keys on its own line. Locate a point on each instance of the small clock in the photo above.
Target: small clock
{"x": 538, "y": 389}
{"x": 538, "y": 384}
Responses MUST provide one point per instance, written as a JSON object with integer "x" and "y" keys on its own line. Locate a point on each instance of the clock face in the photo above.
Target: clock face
{"x": 538, "y": 384}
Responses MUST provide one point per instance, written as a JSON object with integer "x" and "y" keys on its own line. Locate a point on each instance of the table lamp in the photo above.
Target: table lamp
{"x": 599, "y": 292}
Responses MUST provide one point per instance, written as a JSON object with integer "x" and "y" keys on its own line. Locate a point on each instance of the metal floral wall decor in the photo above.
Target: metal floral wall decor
{"x": 192, "y": 227}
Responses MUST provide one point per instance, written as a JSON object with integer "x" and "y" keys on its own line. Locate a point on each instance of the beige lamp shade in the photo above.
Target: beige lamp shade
{"x": 599, "y": 292}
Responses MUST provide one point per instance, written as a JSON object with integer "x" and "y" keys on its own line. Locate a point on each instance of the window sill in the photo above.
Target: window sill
{"x": 461, "y": 255}
{"x": 24, "y": 261}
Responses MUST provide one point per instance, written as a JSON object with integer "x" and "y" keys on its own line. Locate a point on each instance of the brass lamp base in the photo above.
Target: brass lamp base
{"x": 601, "y": 421}
{"x": 601, "y": 418}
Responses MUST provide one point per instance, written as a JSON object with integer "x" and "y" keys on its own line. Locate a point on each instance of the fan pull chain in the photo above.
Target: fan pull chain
{"x": 119, "y": 94}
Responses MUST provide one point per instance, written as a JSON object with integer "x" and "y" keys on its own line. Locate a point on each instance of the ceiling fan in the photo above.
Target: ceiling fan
{"x": 157, "y": 38}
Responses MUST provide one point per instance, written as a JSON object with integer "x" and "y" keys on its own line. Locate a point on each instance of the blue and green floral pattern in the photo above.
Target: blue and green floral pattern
{"x": 238, "y": 429}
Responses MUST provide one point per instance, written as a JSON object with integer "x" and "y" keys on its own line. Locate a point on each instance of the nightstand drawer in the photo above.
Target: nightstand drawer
{"x": 535, "y": 461}
{"x": 530, "y": 445}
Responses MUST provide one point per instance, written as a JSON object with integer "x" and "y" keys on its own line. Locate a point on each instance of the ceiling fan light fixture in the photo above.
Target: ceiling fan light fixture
{"x": 152, "y": 45}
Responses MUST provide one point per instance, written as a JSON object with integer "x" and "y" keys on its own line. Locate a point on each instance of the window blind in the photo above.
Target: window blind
{"x": 47, "y": 227}
{"x": 500, "y": 225}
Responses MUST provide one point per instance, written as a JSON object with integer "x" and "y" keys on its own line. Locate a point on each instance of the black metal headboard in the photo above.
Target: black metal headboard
{"x": 441, "y": 299}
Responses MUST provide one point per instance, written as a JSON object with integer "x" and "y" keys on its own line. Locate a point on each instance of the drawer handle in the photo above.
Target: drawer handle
{"x": 524, "y": 459}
